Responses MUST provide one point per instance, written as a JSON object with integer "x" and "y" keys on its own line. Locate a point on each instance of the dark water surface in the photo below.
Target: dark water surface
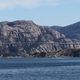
{"x": 40, "y": 69}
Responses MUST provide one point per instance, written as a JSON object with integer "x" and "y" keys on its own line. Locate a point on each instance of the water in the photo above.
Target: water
{"x": 40, "y": 69}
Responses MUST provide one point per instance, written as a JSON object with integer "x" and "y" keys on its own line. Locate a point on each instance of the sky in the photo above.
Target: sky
{"x": 42, "y": 12}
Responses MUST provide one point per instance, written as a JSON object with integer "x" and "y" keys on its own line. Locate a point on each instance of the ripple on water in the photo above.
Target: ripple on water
{"x": 42, "y": 73}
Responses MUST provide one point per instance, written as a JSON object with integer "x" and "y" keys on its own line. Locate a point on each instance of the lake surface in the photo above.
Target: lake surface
{"x": 40, "y": 69}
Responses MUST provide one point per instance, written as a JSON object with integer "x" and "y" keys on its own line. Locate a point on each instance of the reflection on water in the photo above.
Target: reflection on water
{"x": 41, "y": 73}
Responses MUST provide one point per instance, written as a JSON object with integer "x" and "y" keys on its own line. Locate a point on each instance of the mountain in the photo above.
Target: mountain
{"x": 25, "y": 38}
{"x": 71, "y": 31}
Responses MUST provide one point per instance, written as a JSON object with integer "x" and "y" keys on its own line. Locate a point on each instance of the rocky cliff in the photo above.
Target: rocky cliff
{"x": 25, "y": 38}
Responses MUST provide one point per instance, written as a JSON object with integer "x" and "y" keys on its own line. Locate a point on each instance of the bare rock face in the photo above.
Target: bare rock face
{"x": 22, "y": 38}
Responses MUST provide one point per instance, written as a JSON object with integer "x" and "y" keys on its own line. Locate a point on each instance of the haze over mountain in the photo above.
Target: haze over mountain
{"x": 24, "y": 38}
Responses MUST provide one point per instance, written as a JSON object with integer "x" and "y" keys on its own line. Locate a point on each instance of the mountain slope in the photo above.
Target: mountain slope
{"x": 71, "y": 31}
{"x": 24, "y": 38}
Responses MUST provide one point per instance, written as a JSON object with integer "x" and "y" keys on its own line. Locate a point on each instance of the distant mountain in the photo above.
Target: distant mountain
{"x": 25, "y": 38}
{"x": 71, "y": 31}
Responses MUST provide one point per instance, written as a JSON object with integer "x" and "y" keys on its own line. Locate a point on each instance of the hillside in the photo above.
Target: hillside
{"x": 25, "y": 38}
{"x": 71, "y": 31}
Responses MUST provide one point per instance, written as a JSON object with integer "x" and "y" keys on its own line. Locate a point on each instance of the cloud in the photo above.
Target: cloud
{"x": 26, "y": 3}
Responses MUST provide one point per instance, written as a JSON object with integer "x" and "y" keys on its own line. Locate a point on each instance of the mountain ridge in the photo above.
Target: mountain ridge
{"x": 71, "y": 31}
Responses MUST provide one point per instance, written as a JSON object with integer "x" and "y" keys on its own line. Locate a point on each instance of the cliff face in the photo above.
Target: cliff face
{"x": 23, "y": 38}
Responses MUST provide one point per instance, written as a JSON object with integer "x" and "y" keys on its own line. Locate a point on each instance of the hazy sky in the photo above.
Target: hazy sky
{"x": 43, "y": 12}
